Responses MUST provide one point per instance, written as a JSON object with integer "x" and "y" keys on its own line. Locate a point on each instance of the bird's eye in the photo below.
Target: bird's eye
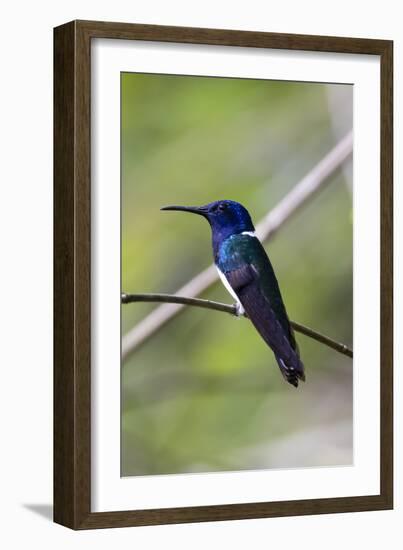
{"x": 222, "y": 206}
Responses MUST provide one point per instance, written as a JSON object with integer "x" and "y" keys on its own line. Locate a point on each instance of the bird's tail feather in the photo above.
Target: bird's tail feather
{"x": 292, "y": 370}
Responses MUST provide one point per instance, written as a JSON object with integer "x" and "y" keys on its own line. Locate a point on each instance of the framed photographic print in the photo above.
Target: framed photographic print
{"x": 222, "y": 274}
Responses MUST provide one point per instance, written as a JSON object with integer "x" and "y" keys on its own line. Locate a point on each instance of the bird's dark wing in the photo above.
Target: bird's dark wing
{"x": 245, "y": 282}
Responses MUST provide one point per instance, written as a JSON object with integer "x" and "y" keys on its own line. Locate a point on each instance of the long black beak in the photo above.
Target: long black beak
{"x": 201, "y": 210}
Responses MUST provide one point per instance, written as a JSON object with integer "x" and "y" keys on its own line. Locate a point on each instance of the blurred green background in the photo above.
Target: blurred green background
{"x": 205, "y": 393}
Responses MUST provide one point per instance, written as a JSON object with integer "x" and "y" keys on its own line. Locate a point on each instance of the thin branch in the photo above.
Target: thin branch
{"x": 265, "y": 229}
{"x": 231, "y": 309}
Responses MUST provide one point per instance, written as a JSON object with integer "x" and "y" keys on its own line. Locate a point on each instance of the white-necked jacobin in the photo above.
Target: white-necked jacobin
{"x": 248, "y": 275}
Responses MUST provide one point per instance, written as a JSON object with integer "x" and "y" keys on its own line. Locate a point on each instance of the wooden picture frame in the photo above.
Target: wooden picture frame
{"x": 72, "y": 271}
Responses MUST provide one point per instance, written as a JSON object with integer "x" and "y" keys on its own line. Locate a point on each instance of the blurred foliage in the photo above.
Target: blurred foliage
{"x": 205, "y": 393}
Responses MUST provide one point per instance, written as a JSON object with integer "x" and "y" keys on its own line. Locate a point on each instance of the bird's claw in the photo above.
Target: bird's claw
{"x": 239, "y": 310}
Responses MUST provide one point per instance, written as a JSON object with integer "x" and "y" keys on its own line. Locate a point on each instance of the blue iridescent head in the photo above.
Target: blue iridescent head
{"x": 225, "y": 217}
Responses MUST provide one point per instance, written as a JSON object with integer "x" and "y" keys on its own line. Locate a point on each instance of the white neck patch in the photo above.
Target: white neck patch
{"x": 250, "y": 233}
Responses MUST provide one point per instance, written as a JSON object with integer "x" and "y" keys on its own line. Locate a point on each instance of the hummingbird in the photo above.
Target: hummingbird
{"x": 247, "y": 274}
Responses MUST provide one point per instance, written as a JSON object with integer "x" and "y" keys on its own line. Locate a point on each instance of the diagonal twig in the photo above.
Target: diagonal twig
{"x": 231, "y": 309}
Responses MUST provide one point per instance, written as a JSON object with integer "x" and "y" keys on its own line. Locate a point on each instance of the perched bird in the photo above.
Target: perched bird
{"x": 248, "y": 275}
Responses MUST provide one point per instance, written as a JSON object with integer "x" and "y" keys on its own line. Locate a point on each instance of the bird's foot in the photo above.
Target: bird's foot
{"x": 239, "y": 310}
